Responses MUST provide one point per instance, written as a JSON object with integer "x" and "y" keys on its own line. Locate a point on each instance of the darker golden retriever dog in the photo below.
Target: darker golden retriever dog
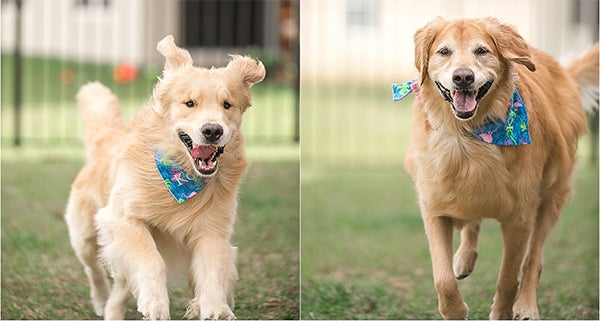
{"x": 496, "y": 125}
{"x": 159, "y": 197}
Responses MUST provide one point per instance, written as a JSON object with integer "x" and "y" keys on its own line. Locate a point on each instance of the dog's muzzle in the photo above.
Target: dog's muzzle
{"x": 464, "y": 101}
{"x": 205, "y": 157}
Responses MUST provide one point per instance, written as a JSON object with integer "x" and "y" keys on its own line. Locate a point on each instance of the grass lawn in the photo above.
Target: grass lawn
{"x": 42, "y": 279}
{"x": 365, "y": 255}
{"x": 364, "y": 250}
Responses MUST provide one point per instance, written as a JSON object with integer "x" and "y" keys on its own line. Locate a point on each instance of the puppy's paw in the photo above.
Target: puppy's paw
{"x": 98, "y": 308}
{"x": 99, "y": 297}
{"x": 216, "y": 312}
{"x": 154, "y": 306}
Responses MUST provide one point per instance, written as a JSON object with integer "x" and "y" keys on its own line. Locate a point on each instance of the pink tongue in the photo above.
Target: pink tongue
{"x": 203, "y": 151}
{"x": 464, "y": 101}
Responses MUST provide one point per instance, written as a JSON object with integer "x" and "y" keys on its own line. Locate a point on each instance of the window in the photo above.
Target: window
{"x": 223, "y": 23}
{"x": 93, "y": 3}
{"x": 360, "y": 14}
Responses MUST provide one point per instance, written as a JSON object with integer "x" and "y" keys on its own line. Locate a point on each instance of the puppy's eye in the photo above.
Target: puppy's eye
{"x": 444, "y": 51}
{"x": 481, "y": 51}
{"x": 190, "y": 103}
{"x": 226, "y": 105}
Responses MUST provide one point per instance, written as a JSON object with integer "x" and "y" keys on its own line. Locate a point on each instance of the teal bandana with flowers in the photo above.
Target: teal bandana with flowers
{"x": 511, "y": 131}
{"x": 179, "y": 182}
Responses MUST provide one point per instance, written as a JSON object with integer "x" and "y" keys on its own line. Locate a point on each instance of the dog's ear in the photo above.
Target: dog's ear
{"x": 423, "y": 39}
{"x": 252, "y": 71}
{"x": 176, "y": 57}
{"x": 511, "y": 46}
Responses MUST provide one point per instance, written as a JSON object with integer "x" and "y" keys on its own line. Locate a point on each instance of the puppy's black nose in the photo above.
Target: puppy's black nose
{"x": 212, "y": 132}
{"x": 463, "y": 77}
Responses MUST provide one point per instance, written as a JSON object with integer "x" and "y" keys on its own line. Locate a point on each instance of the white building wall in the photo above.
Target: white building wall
{"x": 60, "y": 28}
{"x": 383, "y": 51}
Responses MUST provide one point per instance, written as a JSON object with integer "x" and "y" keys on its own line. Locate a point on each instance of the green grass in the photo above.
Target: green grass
{"x": 365, "y": 256}
{"x": 42, "y": 279}
{"x": 49, "y": 114}
{"x": 364, "y": 250}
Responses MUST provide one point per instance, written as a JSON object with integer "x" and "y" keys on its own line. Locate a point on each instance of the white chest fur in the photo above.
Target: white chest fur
{"x": 463, "y": 178}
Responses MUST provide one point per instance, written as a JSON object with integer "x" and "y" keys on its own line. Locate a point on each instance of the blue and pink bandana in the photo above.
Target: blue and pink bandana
{"x": 179, "y": 182}
{"x": 512, "y": 131}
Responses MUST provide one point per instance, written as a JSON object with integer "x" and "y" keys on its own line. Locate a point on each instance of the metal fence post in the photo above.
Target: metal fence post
{"x": 17, "y": 75}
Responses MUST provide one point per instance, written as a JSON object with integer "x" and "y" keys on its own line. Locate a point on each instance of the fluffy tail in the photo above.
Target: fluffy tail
{"x": 102, "y": 122}
{"x": 585, "y": 72}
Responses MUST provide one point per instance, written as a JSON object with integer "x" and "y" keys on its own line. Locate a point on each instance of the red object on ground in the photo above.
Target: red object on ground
{"x": 125, "y": 73}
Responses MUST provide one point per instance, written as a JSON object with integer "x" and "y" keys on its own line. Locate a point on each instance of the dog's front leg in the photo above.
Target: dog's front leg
{"x": 131, "y": 254}
{"x": 439, "y": 235}
{"x": 214, "y": 275}
{"x": 466, "y": 255}
{"x": 515, "y": 234}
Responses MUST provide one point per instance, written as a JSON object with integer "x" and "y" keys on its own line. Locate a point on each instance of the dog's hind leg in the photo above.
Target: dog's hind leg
{"x": 466, "y": 254}
{"x": 80, "y": 220}
{"x": 548, "y": 213}
{"x": 116, "y": 305}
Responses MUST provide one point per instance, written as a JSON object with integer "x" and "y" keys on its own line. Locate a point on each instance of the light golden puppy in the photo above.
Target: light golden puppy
{"x": 496, "y": 125}
{"x": 161, "y": 194}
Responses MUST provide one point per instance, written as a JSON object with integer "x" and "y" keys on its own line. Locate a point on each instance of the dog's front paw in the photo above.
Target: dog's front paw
{"x": 154, "y": 307}
{"x": 457, "y": 312}
{"x": 500, "y": 315}
{"x": 525, "y": 312}
{"x": 464, "y": 263}
{"x": 216, "y": 312}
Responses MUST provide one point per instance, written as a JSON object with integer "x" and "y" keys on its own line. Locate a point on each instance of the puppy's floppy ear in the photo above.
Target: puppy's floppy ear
{"x": 423, "y": 39}
{"x": 511, "y": 46}
{"x": 252, "y": 71}
{"x": 176, "y": 57}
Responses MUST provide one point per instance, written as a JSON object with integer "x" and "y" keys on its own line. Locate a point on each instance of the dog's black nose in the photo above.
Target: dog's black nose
{"x": 463, "y": 77}
{"x": 212, "y": 132}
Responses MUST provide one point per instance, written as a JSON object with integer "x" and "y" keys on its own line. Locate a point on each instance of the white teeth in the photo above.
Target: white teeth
{"x": 206, "y": 167}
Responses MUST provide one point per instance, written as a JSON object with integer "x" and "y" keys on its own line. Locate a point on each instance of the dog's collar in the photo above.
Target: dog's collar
{"x": 179, "y": 182}
{"x": 512, "y": 131}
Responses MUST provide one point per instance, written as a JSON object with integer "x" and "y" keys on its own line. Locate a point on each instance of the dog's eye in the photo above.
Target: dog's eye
{"x": 481, "y": 51}
{"x": 226, "y": 105}
{"x": 444, "y": 51}
{"x": 190, "y": 103}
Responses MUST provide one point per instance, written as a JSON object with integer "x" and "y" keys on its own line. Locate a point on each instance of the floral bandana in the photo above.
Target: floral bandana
{"x": 181, "y": 184}
{"x": 512, "y": 131}
{"x": 402, "y": 90}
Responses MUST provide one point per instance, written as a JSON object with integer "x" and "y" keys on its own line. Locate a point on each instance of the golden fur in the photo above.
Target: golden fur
{"x": 120, "y": 210}
{"x": 461, "y": 180}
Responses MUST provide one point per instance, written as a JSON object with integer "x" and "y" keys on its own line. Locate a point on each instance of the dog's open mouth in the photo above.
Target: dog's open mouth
{"x": 464, "y": 102}
{"x": 205, "y": 157}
